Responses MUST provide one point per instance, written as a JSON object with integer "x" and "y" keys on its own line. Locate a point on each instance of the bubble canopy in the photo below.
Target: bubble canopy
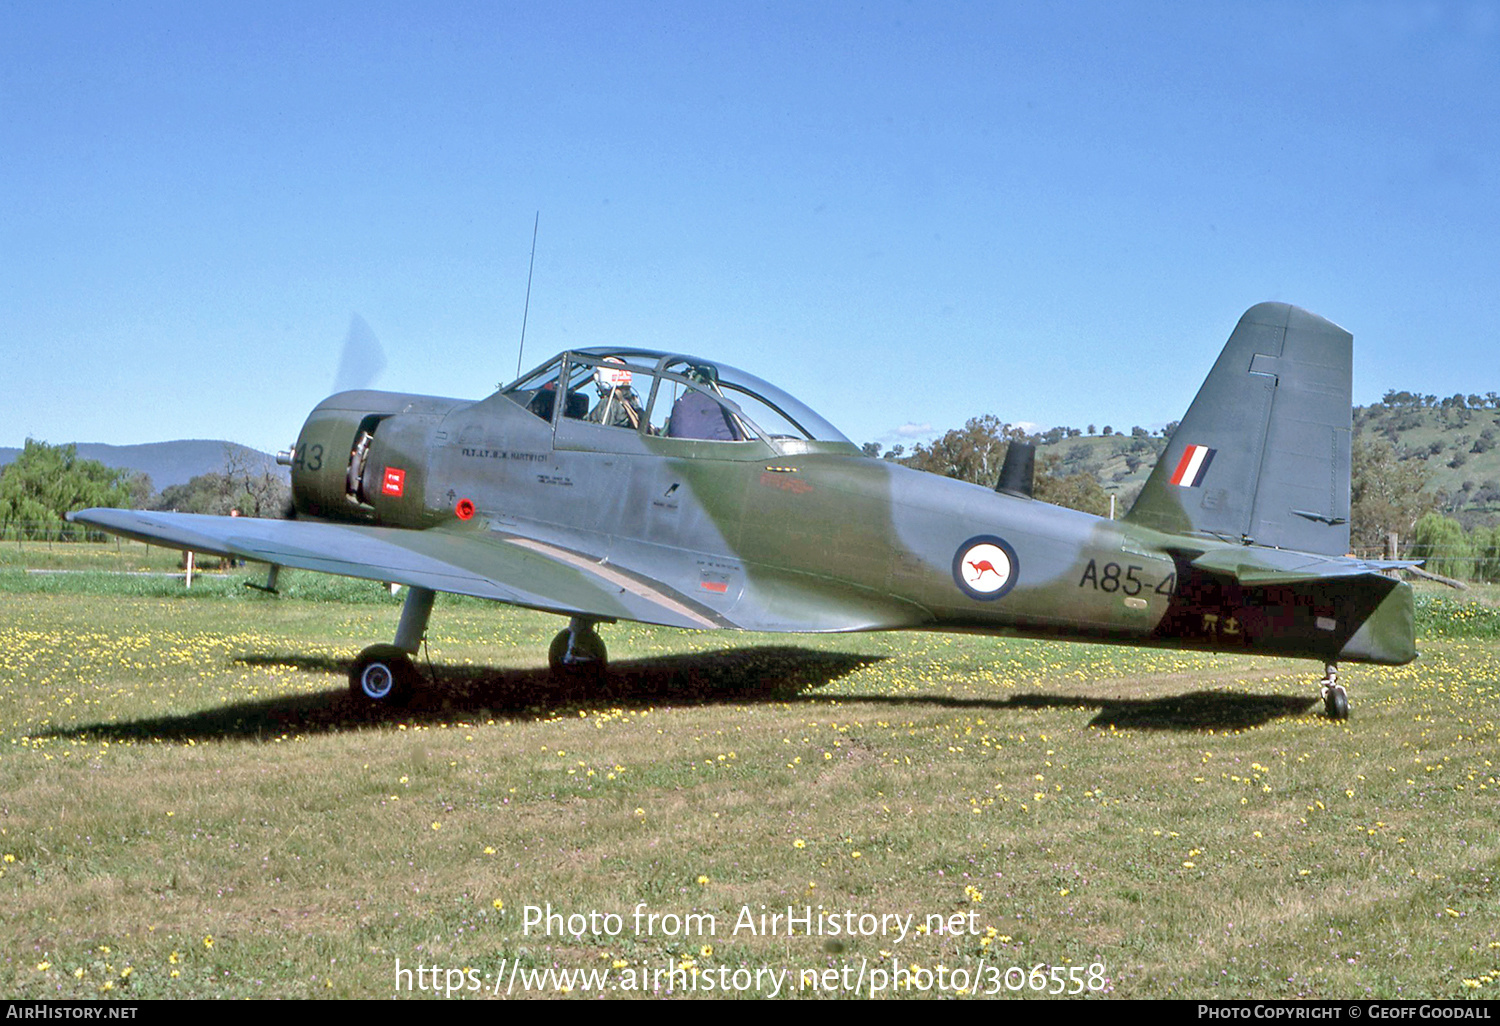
{"x": 658, "y": 380}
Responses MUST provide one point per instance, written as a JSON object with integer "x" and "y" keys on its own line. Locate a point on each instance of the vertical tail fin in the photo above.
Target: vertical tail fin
{"x": 1262, "y": 455}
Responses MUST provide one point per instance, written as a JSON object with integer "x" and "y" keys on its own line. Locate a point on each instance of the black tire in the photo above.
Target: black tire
{"x": 1336, "y": 704}
{"x": 383, "y": 675}
{"x": 587, "y": 660}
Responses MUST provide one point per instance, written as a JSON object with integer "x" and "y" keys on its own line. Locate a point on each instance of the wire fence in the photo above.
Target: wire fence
{"x": 42, "y": 547}
{"x": 48, "y": 531}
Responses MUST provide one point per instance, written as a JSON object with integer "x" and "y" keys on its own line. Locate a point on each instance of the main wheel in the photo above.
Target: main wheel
{"x": 384, "y": 675}
{"x": 578, "y": 655}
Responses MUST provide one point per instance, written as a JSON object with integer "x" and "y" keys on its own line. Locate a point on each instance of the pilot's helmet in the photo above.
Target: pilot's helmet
{"x": 609, "y": 378}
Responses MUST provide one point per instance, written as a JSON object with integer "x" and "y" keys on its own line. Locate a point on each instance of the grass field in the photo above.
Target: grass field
{"x": 191, "y": 805}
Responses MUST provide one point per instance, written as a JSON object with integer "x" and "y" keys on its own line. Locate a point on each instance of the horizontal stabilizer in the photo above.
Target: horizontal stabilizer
{"x": 1253, "y": 565}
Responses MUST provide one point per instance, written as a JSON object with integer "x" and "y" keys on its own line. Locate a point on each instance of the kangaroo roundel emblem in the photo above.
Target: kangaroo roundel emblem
{"x": 985, "y": 567}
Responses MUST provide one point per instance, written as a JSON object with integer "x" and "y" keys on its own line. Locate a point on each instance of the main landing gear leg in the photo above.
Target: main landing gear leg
{"x": 385, "y": 674}
{"x": 1335, "y": 698}
{"x": 578, "y": 653}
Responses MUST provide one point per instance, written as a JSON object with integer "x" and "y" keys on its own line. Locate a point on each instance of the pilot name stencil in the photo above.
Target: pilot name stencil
{"x": 501, "y": 454}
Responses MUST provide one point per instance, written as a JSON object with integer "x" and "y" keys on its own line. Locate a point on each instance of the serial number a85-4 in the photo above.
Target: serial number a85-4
{"x": 1128, "y": 579}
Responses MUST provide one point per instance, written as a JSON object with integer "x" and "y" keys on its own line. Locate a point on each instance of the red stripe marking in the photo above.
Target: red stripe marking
{"x": 1182, "y": 465}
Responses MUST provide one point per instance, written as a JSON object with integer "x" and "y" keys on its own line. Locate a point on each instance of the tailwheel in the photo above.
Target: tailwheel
{"x": 383, "y": 675}
{"x": 1335, "y": 698}
{"x": 578, "y": 653}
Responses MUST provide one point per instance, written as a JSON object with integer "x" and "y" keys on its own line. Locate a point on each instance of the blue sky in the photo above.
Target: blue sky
{"x": 905, "y": 214}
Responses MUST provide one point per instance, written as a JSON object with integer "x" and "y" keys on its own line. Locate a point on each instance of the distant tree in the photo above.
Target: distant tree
{"x": 243, "y": 485}
{"x": 1108, "y": 431}
{"x": 871, "y": 449}
{"x": 1443, "y": 546}
{"x": 209, "y": 493}
{"x": 45, "y": 482}
{"x": 261, "y": 495}
{"x": 1139, "y": 432}
{"x": 1080, "y": 491}
{"x": 1486, "y": 543}
{"x": 1387, "y": 494}
{"x": 974, "y": 452}
{"x": 141, "y": 491}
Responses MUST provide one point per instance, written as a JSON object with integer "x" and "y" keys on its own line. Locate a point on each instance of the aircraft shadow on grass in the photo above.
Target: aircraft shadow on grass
{"x": 727, "y": 677}
{"x": 1197, "y": 710}
{"x": 723, "y": 677}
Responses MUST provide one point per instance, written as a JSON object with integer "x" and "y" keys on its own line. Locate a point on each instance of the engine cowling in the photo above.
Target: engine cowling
{"x": 364, "y": 457}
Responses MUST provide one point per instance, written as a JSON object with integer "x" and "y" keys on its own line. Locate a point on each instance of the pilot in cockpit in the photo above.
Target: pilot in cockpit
{"x": 697, "y": 415}
{"x": 618, "y": 405}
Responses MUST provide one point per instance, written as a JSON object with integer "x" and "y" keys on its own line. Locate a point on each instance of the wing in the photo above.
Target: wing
{"x": 472, "y": 559}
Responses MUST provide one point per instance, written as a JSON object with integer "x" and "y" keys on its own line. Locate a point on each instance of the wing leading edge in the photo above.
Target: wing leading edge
{"x": 461, "y": 561}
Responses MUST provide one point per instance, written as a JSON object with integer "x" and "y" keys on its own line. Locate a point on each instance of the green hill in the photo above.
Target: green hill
{"x": 1457, "y": 445}
{"x": 1120, "y": 462}
{"x": 1456, "y": 441}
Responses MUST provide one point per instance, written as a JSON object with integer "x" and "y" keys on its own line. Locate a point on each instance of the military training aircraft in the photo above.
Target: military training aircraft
{"x": 623, "y": 484}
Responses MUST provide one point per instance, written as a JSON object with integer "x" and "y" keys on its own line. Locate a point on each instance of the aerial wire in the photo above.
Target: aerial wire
{"x": 527, "y": 310}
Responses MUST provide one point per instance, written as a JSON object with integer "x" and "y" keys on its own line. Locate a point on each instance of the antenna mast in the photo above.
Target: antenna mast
{"x": 526, "y": 312}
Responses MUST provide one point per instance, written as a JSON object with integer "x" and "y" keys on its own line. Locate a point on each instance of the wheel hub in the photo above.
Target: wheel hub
{"x": 377, "y": 681}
